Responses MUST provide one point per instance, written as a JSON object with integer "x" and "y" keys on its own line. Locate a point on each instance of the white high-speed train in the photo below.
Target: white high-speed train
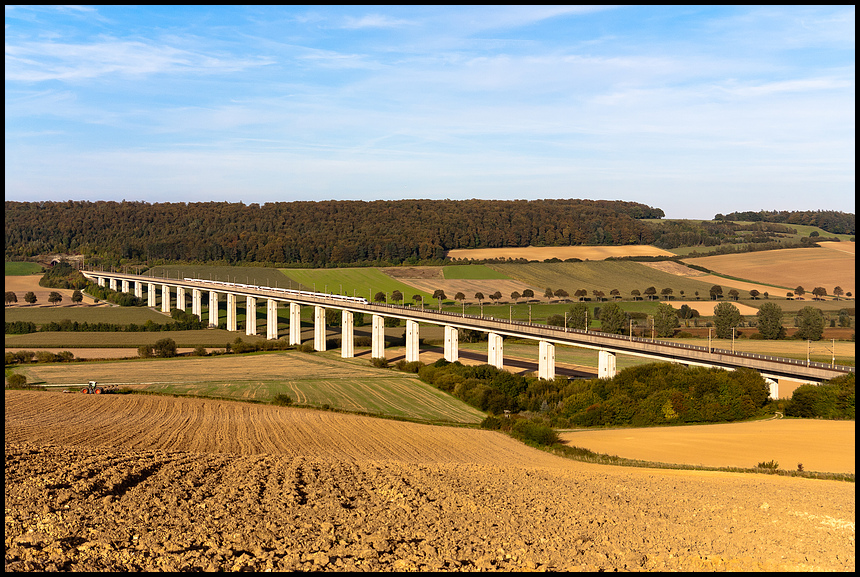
{"x": 359, "y": 300}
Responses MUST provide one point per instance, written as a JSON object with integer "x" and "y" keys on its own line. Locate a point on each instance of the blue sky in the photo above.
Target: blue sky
{"x": 696, "y": 110}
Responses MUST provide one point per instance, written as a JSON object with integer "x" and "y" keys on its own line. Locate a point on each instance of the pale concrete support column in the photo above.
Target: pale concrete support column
{"x": 138, "y": 289}
{"x": 250, "y": 316}
{"x": 411, "y": 341}
{"x": 452, "y": 344}
{"x": 495, "y": 351}
{"x": 546, "y": 360}
{"x": 213, "y": 309}
{"x": 773, "y": 388}
{"x": 180, "y": 298}
{"x": 377, "y": 339}
{"x": 231, "y": 312}
{"x": 319, "y": 328}
{"x": 271, "y": 319}
{"x": 295, "y": 324}
{"x": 112, "y": 283}
{"x": 605, "y": 365}
{"x": 102, "y": 281}
{"x": 126, "y": 288}
{"x": 165, "y": 298}
{"x": 347, "y": 335}
{"x": 150, "y": 295}
{"x": 196, "y": 303}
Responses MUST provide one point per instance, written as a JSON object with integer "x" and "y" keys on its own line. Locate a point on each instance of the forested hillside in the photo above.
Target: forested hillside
{"x": 315, "y": 233}
{"x": 830, "y": 220}
{"x": 382, "y": 232}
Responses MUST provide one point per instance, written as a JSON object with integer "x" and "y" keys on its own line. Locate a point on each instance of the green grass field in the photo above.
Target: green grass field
{"x": 601, "y": 275}
{"x": 116, "y": 315}
{"x": 472, "y": 272}
{"x": 259, "y": 276}
{"x": 360, "y": 282}
{"x": 22, "y": 268}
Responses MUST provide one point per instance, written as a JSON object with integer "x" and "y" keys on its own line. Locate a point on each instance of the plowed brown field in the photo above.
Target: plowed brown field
{"x": 157, "y": 483}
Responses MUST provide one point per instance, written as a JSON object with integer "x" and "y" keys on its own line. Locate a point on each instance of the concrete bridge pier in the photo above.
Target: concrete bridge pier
{"x": 150, "y": 295}
{"x": 411, "y": 341}
{"x": 138, "y": 289}
{"x": 271, "y": 319}
{"x": 495, "y": 352}
{"x": 196, "y": 304}
{"x": 452, "y": 342}
{"x": 377, "y": 339}
{"x": 347, "y": 339}
{"x": 546, "y": 360}
{"x": 101, "y": 281}
{"x": 295, "y": 324}
{"x": 319, "y": 328}
{"x": 251, "y": 316}
{"x": 231, "y": 312}
{"x": 180, "y": 298}
{"x": 213, "y": 309}
{"x": 165, "y": 298}
{"x": 126, "y": 287}
{"x": 112, "y": 283}
{"x": 773, "y": 387}
{"x": 605, "y": 365}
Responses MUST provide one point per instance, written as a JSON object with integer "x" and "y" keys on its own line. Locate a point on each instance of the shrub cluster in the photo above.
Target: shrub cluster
{"x": 833, "y": 399}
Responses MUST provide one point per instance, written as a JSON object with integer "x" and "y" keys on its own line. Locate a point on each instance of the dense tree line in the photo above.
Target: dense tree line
{"x": 672, "y": 233}
{"x": 832, "y": 221}
{"x": 315, "y": 233}
{"x": 833, "y": 399}
{"x": 652, "y": 394}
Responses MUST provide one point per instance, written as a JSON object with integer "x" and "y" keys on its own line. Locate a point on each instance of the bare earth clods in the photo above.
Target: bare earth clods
{"x": 427, "y": 506}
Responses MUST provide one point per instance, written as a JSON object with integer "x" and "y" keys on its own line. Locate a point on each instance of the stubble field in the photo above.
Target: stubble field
{"x": 155, "y": 483}
{"x": 829, "y": 266}
{"x": 825, "y": 446}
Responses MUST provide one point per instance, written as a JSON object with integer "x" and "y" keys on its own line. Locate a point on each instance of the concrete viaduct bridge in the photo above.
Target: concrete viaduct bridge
{"x": 772, "y": 368}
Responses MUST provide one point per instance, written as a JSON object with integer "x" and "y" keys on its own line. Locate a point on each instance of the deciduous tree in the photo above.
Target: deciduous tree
{"x": 716, "y": 292}
{"x": 726, "y": 317}
{"x": 665, "y": 320}
{"x": 769, "y": 321}
{"x": 612, "y": 318}
{"x": 810, "y": 324}
{"x": 577, "y": 315}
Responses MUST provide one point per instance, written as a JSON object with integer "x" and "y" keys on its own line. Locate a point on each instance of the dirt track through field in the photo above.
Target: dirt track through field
{"x": 159, "y": 483}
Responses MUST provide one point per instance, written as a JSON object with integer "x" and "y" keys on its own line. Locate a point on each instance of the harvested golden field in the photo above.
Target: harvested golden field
{"x": 829, "y": 266}
{"x": 119, "y": 483}
{"x": 824, "y": 446}
{"x": 20, "y": 285}
{"x": 560, "y": 252}
{"x": 316, "y": 380}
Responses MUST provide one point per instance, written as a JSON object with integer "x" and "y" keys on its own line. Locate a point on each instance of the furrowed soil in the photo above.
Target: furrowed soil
{"x": 126, "y": 482}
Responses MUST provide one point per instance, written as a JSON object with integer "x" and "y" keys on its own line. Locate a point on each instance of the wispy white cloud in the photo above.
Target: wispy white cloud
{"x": 43, "y": 61}
{"x": 373, "y": 21}
{"x": 504, "y": 101}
